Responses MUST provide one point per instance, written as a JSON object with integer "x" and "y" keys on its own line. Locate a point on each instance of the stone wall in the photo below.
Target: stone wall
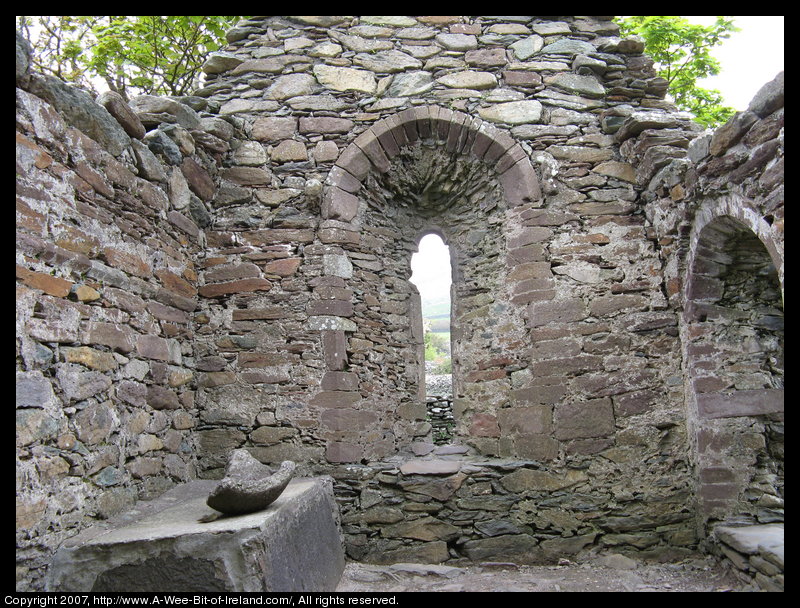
{"x": 232, "y": 270}
{"x": 718, "y": 213}
{"x": 108, "y": 235}
{"x": 497, "y": 134}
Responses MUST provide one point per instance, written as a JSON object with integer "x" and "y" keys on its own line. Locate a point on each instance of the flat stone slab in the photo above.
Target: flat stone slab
{"x": 766, "y": 540}
{"x": 430, "y": 467}
{"x": 161, "y": 545}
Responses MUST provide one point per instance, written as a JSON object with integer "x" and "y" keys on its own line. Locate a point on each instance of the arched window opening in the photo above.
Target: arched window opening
{"x": 432, "y": 275}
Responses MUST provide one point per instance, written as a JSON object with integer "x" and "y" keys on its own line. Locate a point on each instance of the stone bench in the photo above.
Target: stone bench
{"x": 755, "y": 551}
{"x": 293, "y": 545}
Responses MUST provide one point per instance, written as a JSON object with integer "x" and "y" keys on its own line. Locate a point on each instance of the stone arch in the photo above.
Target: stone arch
{"x": 734, "y": 355}
{"x": 376, "y": 146}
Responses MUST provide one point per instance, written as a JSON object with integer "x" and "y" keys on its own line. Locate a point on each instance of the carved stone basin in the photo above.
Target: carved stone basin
{"x": 249, "y": 485}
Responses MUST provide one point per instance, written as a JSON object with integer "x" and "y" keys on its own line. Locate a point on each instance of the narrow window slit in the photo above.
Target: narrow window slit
{"x": 431, "y": 273}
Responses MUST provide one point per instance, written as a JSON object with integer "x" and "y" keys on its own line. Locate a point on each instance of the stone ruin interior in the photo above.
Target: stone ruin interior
{"x": 231, "y": 270}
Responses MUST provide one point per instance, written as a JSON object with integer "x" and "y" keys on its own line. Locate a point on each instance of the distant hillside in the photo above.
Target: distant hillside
{"x": 436, "y": 312}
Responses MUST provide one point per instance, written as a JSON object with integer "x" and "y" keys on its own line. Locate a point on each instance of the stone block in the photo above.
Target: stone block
{"x": 592, "y": 418}
{"x": 338, "y": 204}
{"x": 293, "y": 545}
{"x": 521, "y": 184}
{"x": 526, "y": 420}
{"x": 338, "y": 451}
{"x": 517, "y": 548}
{"x": 354, "y": 161}
{"x": 740, "y": 403}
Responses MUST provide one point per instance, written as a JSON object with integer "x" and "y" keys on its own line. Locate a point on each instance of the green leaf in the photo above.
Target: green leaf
{"x": 682, "y": 53}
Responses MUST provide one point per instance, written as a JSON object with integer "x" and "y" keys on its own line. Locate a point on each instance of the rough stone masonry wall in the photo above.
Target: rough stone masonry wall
{"x": 355, "y": 136}
{"x": 724, "y": 265}
{"x": 107, "y": 242}
{"x": 242, "y": 281}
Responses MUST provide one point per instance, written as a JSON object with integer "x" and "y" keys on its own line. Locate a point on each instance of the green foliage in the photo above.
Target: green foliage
{"x": 446, "y": 367}
{"x": 142, "y": 54}
{"x": 436, "y": 347}
{"x": 682, "y": 54}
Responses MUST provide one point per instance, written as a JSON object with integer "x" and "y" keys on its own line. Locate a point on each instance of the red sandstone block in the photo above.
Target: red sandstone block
{"x": 244, "y": 286}
{"x": 501, "y": 142}
{"x": 252, "y": 314}
{"x": 354, "y": 161}
{"x": 383, "y": 131}
{"x": 340, "y": 178}
{"x": 153, "y": 347}
{"x": 441, "y": 125}
{"x": 397, "y": 131}
{"x": 160, "y": 398}
{"x": 473, "y": 128}
{"x": 275, "y": 376}
{"x": 348, "y": 419}
{"x": 423, "y": 122}
{"x": 325, "y": 124}
{"x": 151, "y": 195}
{"x": 484, "y": 425}
{"x": 584, "y": 419}
{"x": 370, "y": 145}
{"x": 333, "y": 235}
{"x": 337, "y": 451}
{"x": 283, "y": 268}
{"x": 754, "y": 402}
{"x": 198, "y": 179}
{"x": 339, "y": 381}
{"x": 127, "y": 262}
{"x": 30, "y": 220}
{"x": 331, "y": 399}
{"x": 339, "y": 205}
{"x": 537, "y": 419}
{"x": 111, "y": 335}
{"x": 408, "y": 119}
{"x": 165, "y": 296}
{"x": 94, "y": 179}
{"x": 219, "y": 378}
{"x": 485, "y": 376}
{"x": 457, "y": 131}
{"x": 494, "y": 362}
{"x": 277, "y": 236}
{"x": 484, "y": 139}
{"x": 49, "y": 284}
{"x": 334, "y": 346}
{"x": 718, "y": 491}
{"x": 176, "y": 284}
{"x": 717, "y": 475}
{"x": 72, "y": 239}
{"x": 510, "y": 157}
{"x": 232, "y": 273}
{"x": 42, "y": 159}
{"x": 184, "y": 223}
{"x": 520, "y": 184}
{"x": 336, "y": 308}
{"x": 538, "y": 395}
{"x": 522, "y": 78}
